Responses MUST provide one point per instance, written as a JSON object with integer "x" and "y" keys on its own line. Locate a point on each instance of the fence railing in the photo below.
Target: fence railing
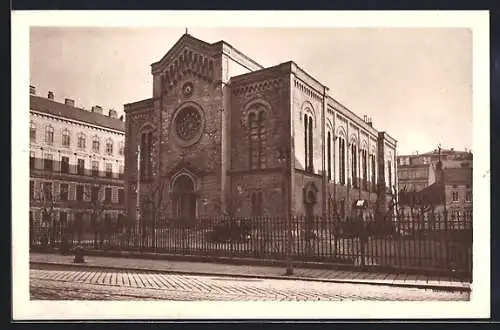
{"x": 437, "y": 242}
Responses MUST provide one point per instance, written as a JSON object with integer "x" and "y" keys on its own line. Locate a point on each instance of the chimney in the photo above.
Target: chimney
{"x": 32, "y": 90}
{"x": 121, "y": 117}
{"x": 69, "y": 102}
{"x": 112, "y": 113}
{"x": 50, "y": 95}
{"x": 369, "y": 120}
{"x": 97, "y": 109}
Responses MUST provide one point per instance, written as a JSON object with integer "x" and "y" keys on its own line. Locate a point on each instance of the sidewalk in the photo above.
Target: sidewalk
{"x": 273, "y": 272}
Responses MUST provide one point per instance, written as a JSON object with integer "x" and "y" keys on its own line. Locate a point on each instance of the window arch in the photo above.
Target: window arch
{"x": 49, "y": 134}
{"x": 146, "y": 150}
{"x": 32, "y": 132}
{"x": 65, "y": 138}
{"x": 257, "y": 138}
{"x": 95, "y": 144}
{"x": 109, "y": 146}
{"x": 81, "y": 140}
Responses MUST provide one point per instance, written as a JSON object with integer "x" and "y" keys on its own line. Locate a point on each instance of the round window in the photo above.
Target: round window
{"x": 188, "y": 123}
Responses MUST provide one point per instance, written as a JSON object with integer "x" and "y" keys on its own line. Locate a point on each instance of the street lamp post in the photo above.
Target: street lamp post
{"x": 284, "y": 157}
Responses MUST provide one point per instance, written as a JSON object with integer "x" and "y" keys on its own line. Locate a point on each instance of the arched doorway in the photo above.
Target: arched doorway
{"x": 184, "y": 199}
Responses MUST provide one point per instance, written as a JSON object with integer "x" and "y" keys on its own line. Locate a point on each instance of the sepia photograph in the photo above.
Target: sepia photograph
{"x": 245, "y": 163}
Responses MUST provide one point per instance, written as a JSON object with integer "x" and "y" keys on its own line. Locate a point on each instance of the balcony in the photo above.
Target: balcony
{"x": 63, "y": 170}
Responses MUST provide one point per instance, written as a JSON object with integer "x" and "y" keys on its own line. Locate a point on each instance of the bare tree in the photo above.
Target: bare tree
{"x": 153, "y": 202}
{"x": 95, "y": 195}
{"x": 46, "y": 199}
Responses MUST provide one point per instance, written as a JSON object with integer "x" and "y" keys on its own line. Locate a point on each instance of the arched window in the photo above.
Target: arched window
{"x": 81, "y": 140}
{"x": 342, "y": 157}
{"x": 364, "y": 167}
{"x": 49, "y": 134}
{"x": 109, "y": 146}
{"x": 95, "y": 144}
{"x": 32, "y": 132}
{"x": 257, "y": 139}
{"x": 329, "y": 155}
{"x": 146, "y": 150}
{"x": 354, "y": 165}
{"x": 308, "y": 140}
{"x": 374, "y": 171}
{"x": 65, "y": 138}
{"x": 311, "y": 145}
{"x": 257, "y": 203}
{"x": 389, "y": 175}
{"x": 121, "y": 148}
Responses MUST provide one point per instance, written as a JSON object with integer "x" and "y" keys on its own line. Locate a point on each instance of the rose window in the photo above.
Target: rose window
{"x": 188, "y": 124}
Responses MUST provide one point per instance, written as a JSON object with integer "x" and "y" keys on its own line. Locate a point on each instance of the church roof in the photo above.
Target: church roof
{"x": 49, "y": 106}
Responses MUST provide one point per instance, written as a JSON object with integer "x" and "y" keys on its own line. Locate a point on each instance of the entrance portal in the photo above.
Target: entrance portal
{"x": 184, "y": 199}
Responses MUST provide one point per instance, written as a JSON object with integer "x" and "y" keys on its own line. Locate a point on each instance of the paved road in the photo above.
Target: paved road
{"x": 71, "y": 284}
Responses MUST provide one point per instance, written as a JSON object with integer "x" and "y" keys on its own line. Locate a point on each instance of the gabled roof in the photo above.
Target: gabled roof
{"x": 48, "y": 106}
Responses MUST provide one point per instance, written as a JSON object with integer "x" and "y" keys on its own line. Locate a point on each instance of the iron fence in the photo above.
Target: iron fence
{"x": 424, "y": 242}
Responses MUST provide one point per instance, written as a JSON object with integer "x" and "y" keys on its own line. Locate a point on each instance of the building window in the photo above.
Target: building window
{"x": 257, "y": 203}
{"x": 63, "y": 217}
{"x": 309, "y": 145}
{"x": 107, "y": 195}
{"x": 32, "y": 189}
{"x": 109, "y": 170}
{"x": 95, "y": 143}
{"x": 329, "y": 155}
{"x": 80, "y": 167}
{"x": 121, "y": 149}
{"x": 389, "y": 174}
{"x": 374, "y": 172}
{"x": 64, "y": 192}
{"x": 49, "y": 134}
{"x": 94, "y": 194}
{"x": 342, "y": 156}
{"x": 79, "y": 192}
{"x": 364, "y": 166}
{"x": 146, "y": 166}
{"x": 454, "y": 196}
{"x": 121, "y": 196}
{"x": 64, "y": 164}
{"x": 47, "y": 191}
{"x": 48, "y": 162}
{"x": 354, "y": 165}
{"x": 32, "y": 159}
{"x": 65, "y": 138}
{"x": 32, "y": 132}
{"x": 120, "y": 172}
{"x": 95, "y": 168}
{"x": 81, "y": 140}
{"x": 109, "y": 146}
{"x": 468, "y": 196}
{"x": 257, "y": 140}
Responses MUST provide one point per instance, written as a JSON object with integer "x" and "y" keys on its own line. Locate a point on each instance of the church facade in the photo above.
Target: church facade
{"x": 222, "y": 134}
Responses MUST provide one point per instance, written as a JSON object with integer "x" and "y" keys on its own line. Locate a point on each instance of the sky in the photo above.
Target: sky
{"x": 415, "y": 83}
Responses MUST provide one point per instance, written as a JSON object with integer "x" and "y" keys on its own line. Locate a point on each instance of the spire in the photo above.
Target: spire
{"x": 186, "y": 33}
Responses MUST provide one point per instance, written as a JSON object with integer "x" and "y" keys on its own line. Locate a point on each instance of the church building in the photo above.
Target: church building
{"x": 222, "y": 134}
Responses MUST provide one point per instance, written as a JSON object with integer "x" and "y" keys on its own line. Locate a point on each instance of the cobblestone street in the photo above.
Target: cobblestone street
{"x": 68, "y": 284}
